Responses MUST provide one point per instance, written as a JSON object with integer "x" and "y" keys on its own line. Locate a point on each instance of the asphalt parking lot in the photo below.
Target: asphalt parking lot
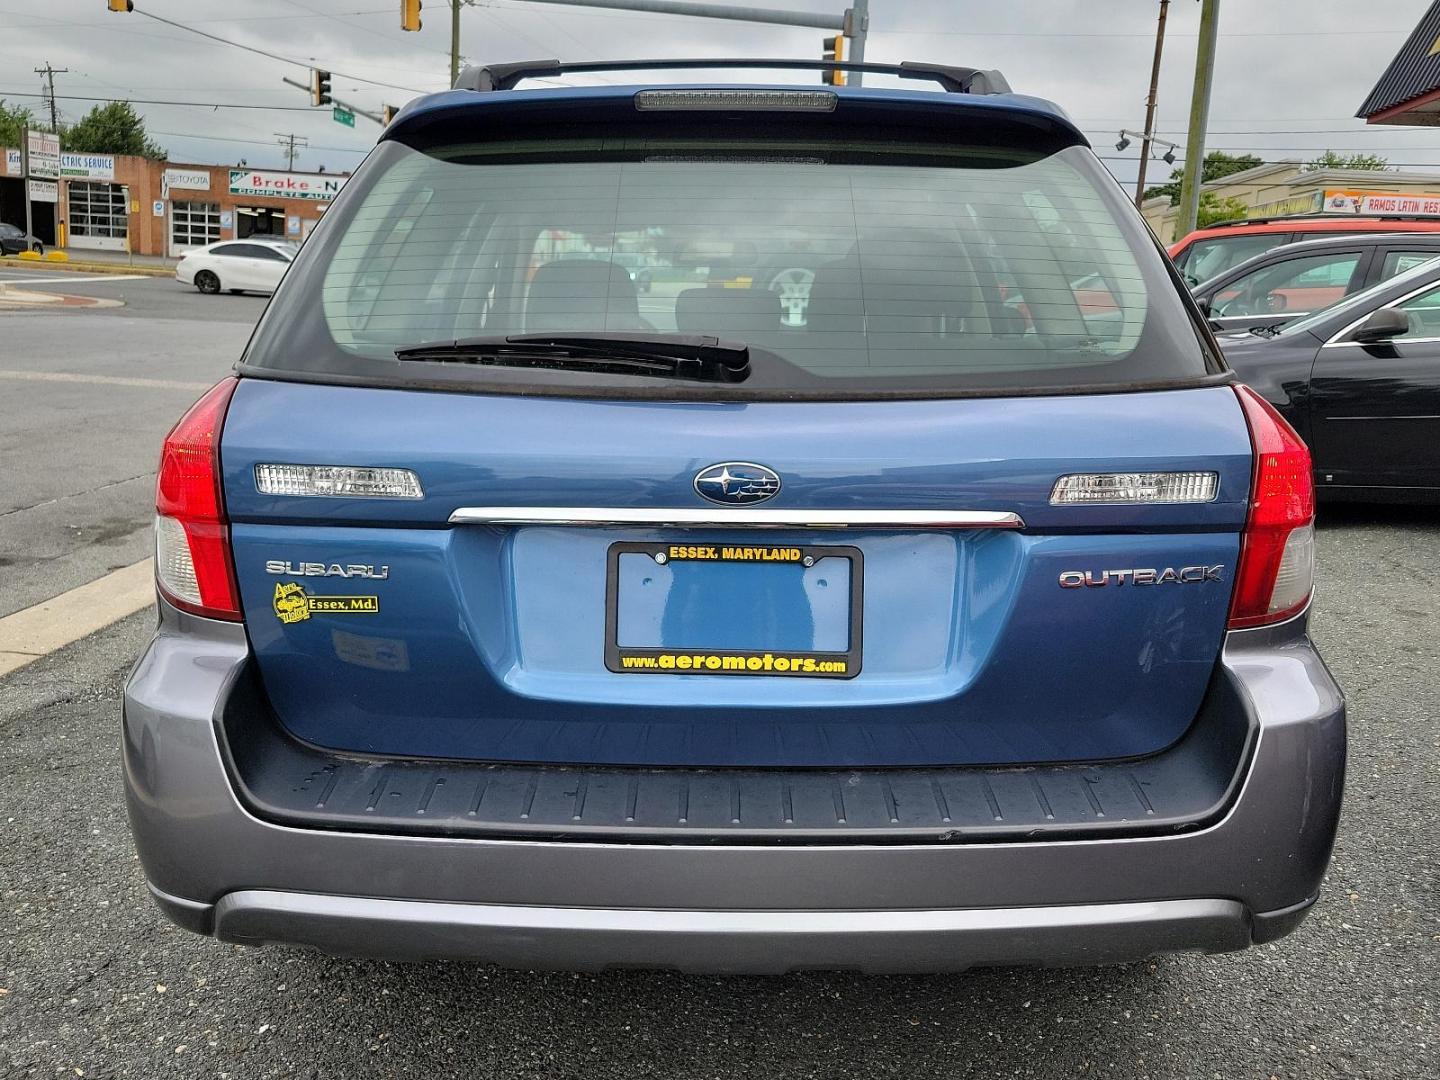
{"x": 94, "y": 983}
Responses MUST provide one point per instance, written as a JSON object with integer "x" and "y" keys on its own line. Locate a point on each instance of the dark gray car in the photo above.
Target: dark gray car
{"x": 14, "y": 240}
{"x": 1292, "y": 281}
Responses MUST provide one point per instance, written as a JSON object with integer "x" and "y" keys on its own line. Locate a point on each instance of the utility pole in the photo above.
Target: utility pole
{"x": 289, "y": 143}
{"x": 50, "y": 73}
{"x": 1199, "y": 118}
{"x": 857, "y": 26}
{"x": 454, "y": 41}
{"x": 1150, "y": 103}
{"x": 25, "y": 171}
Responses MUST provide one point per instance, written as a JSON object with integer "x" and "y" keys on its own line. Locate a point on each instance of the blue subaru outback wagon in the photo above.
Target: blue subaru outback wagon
{"x": 896, "y": 579}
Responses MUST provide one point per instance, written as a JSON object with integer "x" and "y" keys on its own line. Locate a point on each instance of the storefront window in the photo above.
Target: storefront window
{"x": 193, "y": 224}
{"x": 97, "y": 211}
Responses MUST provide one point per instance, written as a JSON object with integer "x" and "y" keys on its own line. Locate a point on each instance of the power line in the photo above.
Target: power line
{"x": 1379, "y": 173}
{"x": 253, "y": 142}
{"x": 339, "y": 17}
{"x": 307, "y": 64}
{"x": 1370, "y": 150}
{"x": 1067, "y": 34}
{"x": 669, "y": 19}
{"x": 314, "y": 15}
{"x": 1094, "y": 125}
{"x": 158, "y": 101}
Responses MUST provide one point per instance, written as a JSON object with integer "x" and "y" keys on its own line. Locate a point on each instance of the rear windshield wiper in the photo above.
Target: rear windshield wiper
{"x": 673, "y": 356}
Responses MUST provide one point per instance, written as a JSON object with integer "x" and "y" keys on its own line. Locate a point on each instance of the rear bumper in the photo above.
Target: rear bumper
{"x": 217, "y": 868}
{"x": 751, "y": 942}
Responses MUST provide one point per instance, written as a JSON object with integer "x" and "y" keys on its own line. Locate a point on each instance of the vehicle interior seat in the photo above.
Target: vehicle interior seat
{"x": 720, "y": 311}
{"x": 583, "y": 294}
{"x": 911, "y": 283}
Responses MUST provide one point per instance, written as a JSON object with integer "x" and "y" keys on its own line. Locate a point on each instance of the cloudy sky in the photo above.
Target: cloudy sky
{"x": 1290, "y": 75}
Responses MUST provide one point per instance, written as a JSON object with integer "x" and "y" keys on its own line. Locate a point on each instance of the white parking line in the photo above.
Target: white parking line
{"x": 37, "y": 631}
{"x": 104, "y": 380}
{"x": 27, "y": 279}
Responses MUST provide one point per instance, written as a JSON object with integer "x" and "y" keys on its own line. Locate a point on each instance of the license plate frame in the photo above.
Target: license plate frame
{"x": 787, "y": 663}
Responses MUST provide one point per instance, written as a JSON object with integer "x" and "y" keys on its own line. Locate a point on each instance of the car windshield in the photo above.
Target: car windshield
{"x": 1362, "y": 300}
{"x": 854, "y": 266}
{"x": 1210, "y": 258}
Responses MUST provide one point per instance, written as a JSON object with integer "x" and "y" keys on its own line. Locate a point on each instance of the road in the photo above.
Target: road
{"x": 85, "y": 398}
{"x": 95, "y": 984}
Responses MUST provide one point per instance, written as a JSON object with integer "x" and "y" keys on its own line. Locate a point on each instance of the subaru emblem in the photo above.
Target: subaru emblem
{"x": 737, "y": 483}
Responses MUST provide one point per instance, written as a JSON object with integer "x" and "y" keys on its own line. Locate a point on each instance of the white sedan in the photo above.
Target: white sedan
{"x": 252, "y": 265}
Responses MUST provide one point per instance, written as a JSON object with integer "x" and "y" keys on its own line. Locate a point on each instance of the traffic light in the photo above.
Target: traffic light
{"x": 121, "y": 5}
{"x": 409, "y": 14}
{"x": 387, "y": 114}
{"x": 319, "y": 87}
{"x": 834, "y": 50}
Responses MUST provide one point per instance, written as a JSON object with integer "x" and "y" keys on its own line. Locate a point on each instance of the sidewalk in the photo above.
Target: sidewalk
{"x": 84, "y": 261}
{"x": 121, "y": 258}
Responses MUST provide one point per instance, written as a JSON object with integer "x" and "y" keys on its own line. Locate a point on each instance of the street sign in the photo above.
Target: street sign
{"x": 343, "y": 116}
{"x": 46, "y": 191}
{"x": 44, "y": 155}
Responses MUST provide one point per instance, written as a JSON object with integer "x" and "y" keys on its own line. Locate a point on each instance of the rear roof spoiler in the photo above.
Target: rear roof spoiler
{"x": 955, "y": 80}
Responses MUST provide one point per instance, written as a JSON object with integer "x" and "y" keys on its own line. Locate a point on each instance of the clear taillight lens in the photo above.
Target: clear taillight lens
{"x": 1277, "y": 554}
{"x": 1127, "y": 489}
{"x": 338, "y": 481}
{"x": 174, "y": 567}
{"x": 193, "y": 565}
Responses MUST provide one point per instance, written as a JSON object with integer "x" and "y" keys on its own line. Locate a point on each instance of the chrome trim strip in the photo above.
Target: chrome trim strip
{"x": 1334, "y": 339}
{"x": 743, "y": 518}
{"x": 1387, "y": 341}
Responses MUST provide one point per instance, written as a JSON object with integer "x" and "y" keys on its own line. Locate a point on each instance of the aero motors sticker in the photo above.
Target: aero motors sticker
{"x": 293, "y": 604}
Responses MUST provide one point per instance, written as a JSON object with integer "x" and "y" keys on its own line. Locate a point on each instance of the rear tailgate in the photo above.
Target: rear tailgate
{"x": 960, "y": 646}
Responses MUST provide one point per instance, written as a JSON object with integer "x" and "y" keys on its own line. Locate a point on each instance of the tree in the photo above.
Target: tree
{"x": 1214, "y": 209}
{"x": 1218, "y": 164}
{"x": 1331, "y": 160}
{"x": 112, "y": 128}
{"x": 13, "y": 121}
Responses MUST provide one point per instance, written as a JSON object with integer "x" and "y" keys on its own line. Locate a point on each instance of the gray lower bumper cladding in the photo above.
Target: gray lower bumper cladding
{"x": 744, "y": 902}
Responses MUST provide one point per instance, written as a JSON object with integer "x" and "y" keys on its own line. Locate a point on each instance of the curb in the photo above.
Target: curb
{"x": 42, "y": 266}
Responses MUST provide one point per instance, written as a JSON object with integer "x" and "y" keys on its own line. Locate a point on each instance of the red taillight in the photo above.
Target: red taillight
{"x": 1277, "y": 553}
{"x": 193, "y": 565}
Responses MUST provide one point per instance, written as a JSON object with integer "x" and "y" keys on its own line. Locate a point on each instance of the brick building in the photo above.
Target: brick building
{"x": 118, "y": 203}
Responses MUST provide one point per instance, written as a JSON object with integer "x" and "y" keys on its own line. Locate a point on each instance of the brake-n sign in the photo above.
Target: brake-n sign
{"x": 284, "y": 185}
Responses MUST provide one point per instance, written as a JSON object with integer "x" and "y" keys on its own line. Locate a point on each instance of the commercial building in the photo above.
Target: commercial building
{"x": 1289, "y": 187}
{"x": 119, "y": 203}
{"x": 1408, "y": 93}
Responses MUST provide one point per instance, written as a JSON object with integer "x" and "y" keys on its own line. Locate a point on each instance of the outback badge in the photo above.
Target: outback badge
{"x": 293, "y": 604}
{"x": 1098, "y": 579}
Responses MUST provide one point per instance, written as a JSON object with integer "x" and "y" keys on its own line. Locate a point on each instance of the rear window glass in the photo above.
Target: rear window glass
{"x": 844, "y": 267}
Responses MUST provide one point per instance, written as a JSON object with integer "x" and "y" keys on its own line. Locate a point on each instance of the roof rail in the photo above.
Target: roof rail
{"x": 1271, "y": 219}
{"x": 956, "y": 80}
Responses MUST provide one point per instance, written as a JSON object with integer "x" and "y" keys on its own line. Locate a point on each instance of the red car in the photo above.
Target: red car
{"x": 1207, "y": 252}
